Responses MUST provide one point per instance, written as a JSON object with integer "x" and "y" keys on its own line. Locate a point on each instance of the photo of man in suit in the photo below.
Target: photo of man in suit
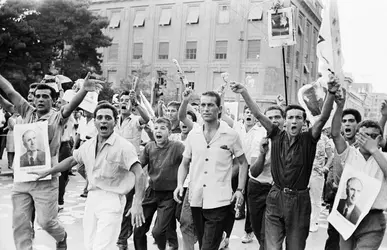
{"x": 33, "y": 156}
{"x": 347, "y": 207}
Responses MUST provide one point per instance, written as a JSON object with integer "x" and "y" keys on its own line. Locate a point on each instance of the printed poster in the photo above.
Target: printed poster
{"x": 280, "y": 25}
{"x": 32, "y": 151}
{"x": 356, "y": 193}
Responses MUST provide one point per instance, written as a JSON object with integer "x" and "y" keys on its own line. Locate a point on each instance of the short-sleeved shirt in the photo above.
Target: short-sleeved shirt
{"x": 211, "y": 166}
{"x": 55, "y": 122}
{"x": 265, "y": 176}
{"x": 319, "y": 160}
{"x": 291, "y": 165}
{"x": 130, "y": 129}
{"x": 356, "y": 160}
{"x": 163, "y": 164}
{"x": 109, "y": 170}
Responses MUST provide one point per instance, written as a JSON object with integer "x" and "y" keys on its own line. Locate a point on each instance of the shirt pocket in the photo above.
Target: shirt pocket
{"x": 111, "y": 167}
{"x": 223, "y": 162}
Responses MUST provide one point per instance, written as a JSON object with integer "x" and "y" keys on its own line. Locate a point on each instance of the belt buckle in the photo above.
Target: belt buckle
{"x": 287, "y": 190}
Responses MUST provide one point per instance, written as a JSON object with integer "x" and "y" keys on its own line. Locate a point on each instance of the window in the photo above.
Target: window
{"x": 113, "y": 52}
{"x": 224, "y": 14}
{"x": 221, "y": 50}
{"x": 193, "y": 15}
{"x": 190, "y": 50}
{"x": 306, "y": 70}
{"x": 115, "y": 19}
{"x": 253, "y": 49}
{"x": 191, "y": 85}
{"x": 139, "y": 20}
{"x": 163, "y": 50}
{"x": 255, "y": 13}
{"x": 162, "y": 77}
{"x": 165, "y": 17}
{"x": 190, "y": 75}
{"x": 297, "y": 59}
{"x": 137, "y": 51}
{"x": 308, "y": 30}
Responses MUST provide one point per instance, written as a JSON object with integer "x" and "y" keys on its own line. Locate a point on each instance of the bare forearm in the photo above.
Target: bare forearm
{"x": 266, "y": 123}
{"x": 182, "y": 174}
{"x": 140, "y": 185}
{"x": 242, "y": 177}
{"x": 382, "y": 122}
{"x": 183, "y": 110}
{"x": 71, "y": 106}
{"x": 327, "y": 108}
{"x": 336, "y": 122}
{"x": 7, "y": 87}
{"x": 257, "y": 168}
{"x": 7, "y": 106}
{"x": 144, "y": 114}
{"x": 64, "y": 165}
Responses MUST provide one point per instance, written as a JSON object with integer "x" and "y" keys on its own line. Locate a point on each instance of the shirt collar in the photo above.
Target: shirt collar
{"x": 112, "y": 138}
{"x": 223, "y": 128}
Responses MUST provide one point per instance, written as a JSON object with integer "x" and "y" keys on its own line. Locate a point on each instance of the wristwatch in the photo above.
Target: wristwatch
{"x": 241, "y": 190}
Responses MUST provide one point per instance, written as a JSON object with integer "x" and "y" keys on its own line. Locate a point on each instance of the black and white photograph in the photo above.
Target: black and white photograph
{"x": 280, "y": 27}
{"x": 31, "y": 150}
{"x": 355, "y": 195}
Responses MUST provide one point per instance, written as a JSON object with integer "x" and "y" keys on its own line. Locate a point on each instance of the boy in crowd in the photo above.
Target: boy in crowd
{"x": 163, "y": 157}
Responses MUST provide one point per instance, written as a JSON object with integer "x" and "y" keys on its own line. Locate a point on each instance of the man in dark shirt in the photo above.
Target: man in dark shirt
{"x": 163, "y": 158}
{"x": 288, "y": 204}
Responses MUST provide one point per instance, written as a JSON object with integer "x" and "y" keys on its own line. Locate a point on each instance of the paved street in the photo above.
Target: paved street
{"x": 71, "y": 217}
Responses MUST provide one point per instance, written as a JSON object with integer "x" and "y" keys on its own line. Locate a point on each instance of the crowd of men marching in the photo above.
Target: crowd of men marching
{"x": 198, "y": 168}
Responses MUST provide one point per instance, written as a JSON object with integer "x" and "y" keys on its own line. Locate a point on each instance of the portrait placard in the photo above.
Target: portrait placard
{"x": 32, "y": 150}
{"x": 280, "y": 25}
{"x": 356, "y": 193}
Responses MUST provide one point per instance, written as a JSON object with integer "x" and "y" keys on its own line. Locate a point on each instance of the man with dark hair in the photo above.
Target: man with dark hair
{"x": 368, "y": 159}
{"x": 43, "y": 193}
{"x": 208, "y": 156}
{"x": 172, "y": 115}
{"x": 113, "y": 169}
{"x": 129, "y": 126}
{"x": 350, "y": 119}
{"x": 261, "y": 180}
{"x": 162, "y": 157}
{"x": 288, "y": 204}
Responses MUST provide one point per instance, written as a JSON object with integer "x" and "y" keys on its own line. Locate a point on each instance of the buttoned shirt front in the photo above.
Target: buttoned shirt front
{"x": 109, "y": 170}
{"x": 130, "y": 128}
{"x": 211, "y": 166}
{"x": 353, "y": 158}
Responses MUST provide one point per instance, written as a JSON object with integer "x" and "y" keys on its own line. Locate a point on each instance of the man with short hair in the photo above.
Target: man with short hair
{"x": 367, "y": 158}
{"x": 43, "y": 193}
{"x": 347, "y": 207}
{"x": 292, "y": 153}
{"x": 33, "y": 156}
{"x": 349, "y": 121}
{"x": 261, "y": 180}
{"x": 110, "y": 162}
{"x": 209, "y": 157}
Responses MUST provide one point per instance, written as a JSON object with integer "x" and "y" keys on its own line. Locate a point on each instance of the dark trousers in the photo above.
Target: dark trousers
{"x": 287, "y": 215}
{"x": 126, "y": 224}
{"x": 64, "y": 152}
{"x": 165, "y": 205}
{"x": 257, "y": 193}
{"x": 171, "y": 232}
{"x": 333, "y": 240}
{"x": 209, "y": 225}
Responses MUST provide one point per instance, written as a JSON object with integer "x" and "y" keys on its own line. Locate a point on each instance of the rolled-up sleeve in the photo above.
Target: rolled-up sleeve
{"x": 77, "y": 155}
{"x": 130, "y": 157}
{"x": 237, "y": 149}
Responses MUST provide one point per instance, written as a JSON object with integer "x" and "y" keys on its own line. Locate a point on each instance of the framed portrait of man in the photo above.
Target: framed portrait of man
{"x": 32, "y": 151}
{"x": 280, "y": 25}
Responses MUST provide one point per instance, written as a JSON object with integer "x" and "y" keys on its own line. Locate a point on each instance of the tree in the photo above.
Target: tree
{"x": 38, "y": 35}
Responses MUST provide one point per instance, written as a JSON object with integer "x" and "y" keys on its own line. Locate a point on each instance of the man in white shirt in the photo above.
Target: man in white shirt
{"x": 208, "y": 156}
{"x": 371, "y": 161}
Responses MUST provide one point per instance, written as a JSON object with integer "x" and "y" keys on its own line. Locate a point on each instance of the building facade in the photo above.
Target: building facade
{"x": 209, "y": 37}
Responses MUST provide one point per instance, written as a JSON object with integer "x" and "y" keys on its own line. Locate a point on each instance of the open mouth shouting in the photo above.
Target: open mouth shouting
{"x": 347, "y": 131}
{"x": 104, "y": 128}
{"x": 158, "y": 137}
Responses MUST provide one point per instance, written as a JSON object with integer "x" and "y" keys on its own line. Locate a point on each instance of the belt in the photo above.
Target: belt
{"x": 291, "y": 191}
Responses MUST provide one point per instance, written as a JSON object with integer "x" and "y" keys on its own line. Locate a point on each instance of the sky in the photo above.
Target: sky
{"x": 363, "y": 30}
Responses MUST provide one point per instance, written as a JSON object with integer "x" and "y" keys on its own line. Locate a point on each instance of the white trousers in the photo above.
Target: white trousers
{"x": 316, "y": 185}
{"x": 102, "y": 220}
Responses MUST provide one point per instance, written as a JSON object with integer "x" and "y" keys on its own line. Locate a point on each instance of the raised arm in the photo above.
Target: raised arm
{"x": 383, "y": 112}
{"x": 144, "y": 116}
{"x": 88, "y": 86}
{"x": 338, "y": 139}
{"x": 266, "y": 123}
{"x": 7, "y": 106}
{"x": 182, "y": 113}
{"x": 7, "y": 87}
{"x": 333, "y": 87}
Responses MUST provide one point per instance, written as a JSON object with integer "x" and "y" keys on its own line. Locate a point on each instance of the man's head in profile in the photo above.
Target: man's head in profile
{"x": 29, "y": 141}
{"x": 353, "y": 190}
